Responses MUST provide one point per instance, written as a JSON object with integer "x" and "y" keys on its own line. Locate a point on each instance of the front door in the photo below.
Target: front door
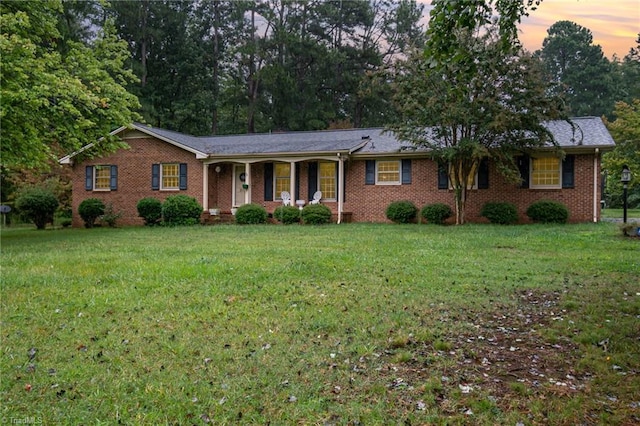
{"x": 239, "y": 193}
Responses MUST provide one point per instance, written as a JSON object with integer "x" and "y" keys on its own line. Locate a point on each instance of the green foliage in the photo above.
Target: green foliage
{"x": 584, "y": 75}
{"x": 90, "y": 210}
{"x": 251, "y": 214}
{"x": 287, "y": 214}
{"x": 625, "y": 130}
{"x": 500, "y": 213}
{"x": 110, "y": 216}
{"x": 181, "y": 210}
{"x": 316, "y": 214}
{"x": 401, "y": 211}
{"x": 436, "y": 213}
{"x": 548, "y": 212}
{"x": 37, "y": 205}
{"x": 150, "y": 210}
{"x": 58, "y": 95}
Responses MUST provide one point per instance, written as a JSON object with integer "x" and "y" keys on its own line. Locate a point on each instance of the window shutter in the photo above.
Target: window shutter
{"x": 443, "y": 176}
{"x": 183, "y": 175}
{"x": 113, "y": 183}
{"x": 483, "y": 174}
{"x": 406, "y": 172}
{"x": 568, "y": 180}
{"x": 313, "y": 178}
{"x": 370, "y": 173}
{"x": 155, "y": 177}
{"x": 88, "y": 179}
{"x": 268, "y": 181}
{"x": 523, "y": 166}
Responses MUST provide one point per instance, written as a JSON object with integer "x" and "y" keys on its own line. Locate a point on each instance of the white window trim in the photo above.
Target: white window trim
{"x": 277, "y": 195}
{"x": 95, "y": 178}
{"x": 335, "y": 178}
{"x": 171, "y": 188}
{"x": 533, "y": 186}
{"x": 398, "y": 182}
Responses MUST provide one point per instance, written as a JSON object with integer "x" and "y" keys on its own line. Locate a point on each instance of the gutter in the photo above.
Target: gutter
{"x": 595, "y": 185}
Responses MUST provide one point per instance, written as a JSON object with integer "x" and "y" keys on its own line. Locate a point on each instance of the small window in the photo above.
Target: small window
{"x": 327, "y": 180}
{"x": 388, "y": 172}
{"x": 102, "y": 176}
{"x": 545, "y": 172}
{"x": 170, "y": 176}
{"x": 282, "y": 178}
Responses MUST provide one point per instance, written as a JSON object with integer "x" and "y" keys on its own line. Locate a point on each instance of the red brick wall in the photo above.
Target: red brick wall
{"x": 134, "y": 178}
{"x": 367, "y": 203}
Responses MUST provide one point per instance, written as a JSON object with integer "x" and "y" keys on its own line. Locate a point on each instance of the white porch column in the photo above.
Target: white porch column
{"x": 247, "y": 193}
{"x": 205, "y": 187}
{"x": 340, "y": 187}
{"x": 292, "y": 183}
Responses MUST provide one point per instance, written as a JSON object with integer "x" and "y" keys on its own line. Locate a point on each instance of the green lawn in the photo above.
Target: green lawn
{"x": 618, "y": 214}
{"x": 350, "y": 324}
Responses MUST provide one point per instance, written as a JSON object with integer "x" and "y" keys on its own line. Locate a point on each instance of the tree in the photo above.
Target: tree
{"x": 579, "y": 68}
{"x": 56, "y": 100}
{"x": 487, "y": 102}
{"x": 626, "y": 132}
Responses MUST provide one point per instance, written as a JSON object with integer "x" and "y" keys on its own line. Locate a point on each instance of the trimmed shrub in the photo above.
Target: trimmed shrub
{"x": 316, "y": 214}
{"x": 37, "y": 205}
{"x": 251, "y": 214}
{"x": 90, "y": 210}
{"x": 548, "y": 212}
{"x": 287, "y": 214}
{"x": 436, "y": 213}
{"x": 150, "y": 210}
{"x": 500, "y": 213}
{"x": 401, "y": 211}
{"x": 181, "y": 210}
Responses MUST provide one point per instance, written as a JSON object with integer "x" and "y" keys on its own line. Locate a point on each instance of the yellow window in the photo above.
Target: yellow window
{"x": 170, "y": 176}
{"x": 327, "y": 179}
{"x": 545, "y": 172}
{"x": 102, "y": 177}
{"x": 388, "y": 172}
{"x": 282, "y": 172}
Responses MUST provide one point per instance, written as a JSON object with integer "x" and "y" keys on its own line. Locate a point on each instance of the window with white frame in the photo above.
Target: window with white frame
{"x": 327, "y": 179}
{"x": 387, "y": 172}
{"x": 102, "y": 178}
{"x": 545, "y": 172}
{"x": 282, "y": 178}
{"x": 170, "y": 176}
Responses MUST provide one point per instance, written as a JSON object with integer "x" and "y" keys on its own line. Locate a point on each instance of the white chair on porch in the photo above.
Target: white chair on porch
{"x": 286, "y": 198}
{"x": 317, "y": 196}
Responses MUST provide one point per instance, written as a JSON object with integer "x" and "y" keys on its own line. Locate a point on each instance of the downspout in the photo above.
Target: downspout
{"x": 340, "y": 187}
{"x": 205, "y": 187}
{"x": 596, "y": 203}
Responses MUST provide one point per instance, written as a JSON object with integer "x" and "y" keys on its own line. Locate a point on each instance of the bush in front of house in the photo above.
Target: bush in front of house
{"x": 500, "y": 213}
{"x": 90, "y": 210}
{"x": 251, "y": 214}
{"x": 181, "y": 210}
{"x": 150, "y": 210}
{"x": 37, "y": 205}
{"x": 436, "y": 213}
{"x": 110, "y": 216}
{"x": 401, "y": 211}
{"x": 316, "y": 214}
{"x": 287, "y": 214}
{"x": 548, "y": 212}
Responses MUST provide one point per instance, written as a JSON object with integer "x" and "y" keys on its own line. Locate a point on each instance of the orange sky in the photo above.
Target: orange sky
{"x": 615, "y": 24}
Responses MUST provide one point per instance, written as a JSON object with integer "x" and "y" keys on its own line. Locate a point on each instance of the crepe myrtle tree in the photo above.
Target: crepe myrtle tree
{"x": 489, "y": 101}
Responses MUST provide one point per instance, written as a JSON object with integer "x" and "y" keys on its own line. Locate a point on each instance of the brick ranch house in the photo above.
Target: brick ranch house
{"x": 358, "y": 171}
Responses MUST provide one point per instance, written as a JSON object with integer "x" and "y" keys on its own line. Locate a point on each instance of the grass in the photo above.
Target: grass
{"x": 349, "y": 324}
{"x": 618, "y": 213}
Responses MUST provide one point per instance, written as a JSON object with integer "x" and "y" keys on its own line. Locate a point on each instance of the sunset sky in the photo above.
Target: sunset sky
{"x": 615, "y": 24}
